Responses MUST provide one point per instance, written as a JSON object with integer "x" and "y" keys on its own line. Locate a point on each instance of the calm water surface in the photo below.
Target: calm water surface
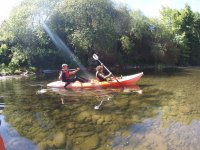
{"x": 165, "y": 116}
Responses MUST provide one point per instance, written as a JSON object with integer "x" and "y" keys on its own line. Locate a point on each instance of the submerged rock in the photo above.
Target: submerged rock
{"x": 59, "y": 139}
{"x": 84, "y": 134}
{"x": 100, "y": 121}
{"x": 91, "y": 142}
{"x": 83, "y": 116}
{"x": 108, "y": 118}
{"x": 70, "y": 125}
{"x": 122, "y": 103}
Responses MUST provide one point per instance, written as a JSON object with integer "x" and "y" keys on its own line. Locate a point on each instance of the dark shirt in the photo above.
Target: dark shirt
{"x": 100, "y": 76}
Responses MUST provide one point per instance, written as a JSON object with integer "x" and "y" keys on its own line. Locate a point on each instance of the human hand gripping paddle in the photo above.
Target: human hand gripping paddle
{"x": 97, "y": 58}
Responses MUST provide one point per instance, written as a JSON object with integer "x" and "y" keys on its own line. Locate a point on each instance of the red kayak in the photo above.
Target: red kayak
{"x": 125, "y": 81}
{"x": 2, "y": 147}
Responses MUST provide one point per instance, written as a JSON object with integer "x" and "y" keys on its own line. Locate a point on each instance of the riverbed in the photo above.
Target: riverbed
{"x": 161, "y": 112}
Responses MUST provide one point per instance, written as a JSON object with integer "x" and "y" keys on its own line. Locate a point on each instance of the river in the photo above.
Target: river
{"x": 161, "y": 113}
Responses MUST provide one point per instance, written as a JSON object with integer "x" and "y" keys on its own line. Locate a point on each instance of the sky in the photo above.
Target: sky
{"x": 5, "y": 8}
{"x": 150, "y": 8}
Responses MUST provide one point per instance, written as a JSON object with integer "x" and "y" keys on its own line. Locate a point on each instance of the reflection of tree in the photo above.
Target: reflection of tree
{"x": 181, "y": 107}
{"x": 183, "y": 104}
{"x": 76, "y": 124}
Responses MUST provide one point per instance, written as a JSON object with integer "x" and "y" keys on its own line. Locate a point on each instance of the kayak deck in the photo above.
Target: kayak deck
{"x": 124, "y": 81}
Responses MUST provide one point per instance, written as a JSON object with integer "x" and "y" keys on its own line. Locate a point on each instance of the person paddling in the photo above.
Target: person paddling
{"x": 100, "y": 76}
{"x": 65, "y": 74}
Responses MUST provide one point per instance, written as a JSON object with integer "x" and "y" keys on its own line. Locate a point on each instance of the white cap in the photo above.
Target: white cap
{"x": 63, "y": 65}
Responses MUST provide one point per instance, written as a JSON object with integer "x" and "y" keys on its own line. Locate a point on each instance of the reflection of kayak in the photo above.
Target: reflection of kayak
{"x": 88, "y": 92}
{"x": 125, "y": 81}
{"x": 1, "y": 144}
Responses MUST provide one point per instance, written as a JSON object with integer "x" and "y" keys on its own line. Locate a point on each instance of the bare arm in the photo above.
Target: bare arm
{"x": 103, "y": 76}
{"x": 60, "y": 75}
{"x": 109, "y": 75}
{"x": 74, "y": 72}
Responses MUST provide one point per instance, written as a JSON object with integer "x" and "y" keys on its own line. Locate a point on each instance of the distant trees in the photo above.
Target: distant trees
{"x": 184, "y": 26}
{"x": 88, "y": 26}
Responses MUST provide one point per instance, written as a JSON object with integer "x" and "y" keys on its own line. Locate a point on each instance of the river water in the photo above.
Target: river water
{"x": 161, "y": 113}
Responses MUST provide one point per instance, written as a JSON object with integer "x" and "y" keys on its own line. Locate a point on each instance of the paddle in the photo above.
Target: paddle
{"x": 107, "y": 99}
{"x": 97, "y": 58}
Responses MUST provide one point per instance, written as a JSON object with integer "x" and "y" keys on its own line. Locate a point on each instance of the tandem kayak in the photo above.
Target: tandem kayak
{"x": 125, "y": 81}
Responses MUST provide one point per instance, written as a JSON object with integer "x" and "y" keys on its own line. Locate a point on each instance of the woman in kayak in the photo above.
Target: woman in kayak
{"x": 65, "y": 76}
{"x": 100, "y": 75}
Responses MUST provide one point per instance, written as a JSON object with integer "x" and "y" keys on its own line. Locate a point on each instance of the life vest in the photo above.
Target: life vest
{"x": 65, "y": 76}
{"x": 99, "y": 77}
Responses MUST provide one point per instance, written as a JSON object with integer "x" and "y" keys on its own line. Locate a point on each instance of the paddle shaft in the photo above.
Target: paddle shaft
{"x": 104, "y": 66}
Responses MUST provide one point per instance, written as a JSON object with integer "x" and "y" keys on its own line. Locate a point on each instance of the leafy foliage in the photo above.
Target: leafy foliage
{"x": 184, "y": 26}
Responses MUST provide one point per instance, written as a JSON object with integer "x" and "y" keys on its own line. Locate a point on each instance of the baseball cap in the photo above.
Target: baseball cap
{"x": 63, "y": 65}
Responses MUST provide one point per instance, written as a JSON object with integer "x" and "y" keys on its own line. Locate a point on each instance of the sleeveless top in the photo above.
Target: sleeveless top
{"x": 99, "y": 77}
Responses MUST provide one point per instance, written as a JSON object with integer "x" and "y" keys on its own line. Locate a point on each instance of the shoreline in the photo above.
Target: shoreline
{"x": 16, "y": 76}
{"x": 28, "y": 74}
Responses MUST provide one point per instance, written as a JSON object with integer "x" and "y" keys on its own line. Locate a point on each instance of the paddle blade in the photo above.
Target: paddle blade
{"x": 140, "y": 92}
{"x": 95, "y": 57}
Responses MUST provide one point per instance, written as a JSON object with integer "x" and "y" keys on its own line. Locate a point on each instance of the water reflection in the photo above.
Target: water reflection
{"x": 87, "y": 92}
{"x": 104, "y": 98}
{"x": 101, "y": 94}
{"x": 12, "y": 139}
{"x": 77, "y": 124}
{"x": 164, "y": 116}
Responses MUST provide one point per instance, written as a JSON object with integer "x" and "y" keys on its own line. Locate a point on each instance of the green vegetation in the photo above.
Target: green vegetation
{"x": 88, "y": 26}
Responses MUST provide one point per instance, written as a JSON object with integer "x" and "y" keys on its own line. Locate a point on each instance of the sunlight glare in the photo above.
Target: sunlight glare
{"x": 62, "y": 47}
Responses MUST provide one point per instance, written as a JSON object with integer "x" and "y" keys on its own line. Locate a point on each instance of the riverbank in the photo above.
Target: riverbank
{"x": 115, "y": 69}
{"x": 15, "y": 75}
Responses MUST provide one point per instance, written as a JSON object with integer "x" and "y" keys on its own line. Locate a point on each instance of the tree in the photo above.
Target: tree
{"x": 184, "y": 25}
{"x": 26, "y": 42}
{"x": 88, "y": 26}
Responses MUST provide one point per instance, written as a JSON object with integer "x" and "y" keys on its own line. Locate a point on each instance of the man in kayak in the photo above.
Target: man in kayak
{"x": 65, "y": 74}
{"x": 100, "y": 76}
